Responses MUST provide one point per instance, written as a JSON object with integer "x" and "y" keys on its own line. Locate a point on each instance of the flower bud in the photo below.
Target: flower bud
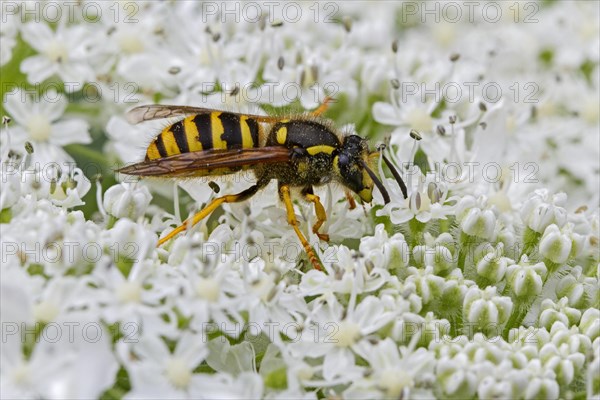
{"x": 593, "y": 379}
{"x": 434, "y": 254}
{"x": 526, "y": 280}
{"x": 590, "y": 323}
{"x": 492, "y": 266}
{"x": 577, "y": 342}
{"x": 570, "y": 287}
{"x": 383, "y": 251}
{"x": 531, "y": 338}
{"x": 480, "y": 223}
{"x": 127, "y": 201}
{"x": 428, "y": 285}
{"x": 485, "y": 310}
{"x": 542, "y": 383}
{"x": 455, "y": 377}
{"x": 558, "y": 312}
{"x": 554, "y": 245}
{"x": 562, "y": 361}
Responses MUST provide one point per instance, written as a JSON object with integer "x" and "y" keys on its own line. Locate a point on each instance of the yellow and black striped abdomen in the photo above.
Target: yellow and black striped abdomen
{"x": 214, "y": 130}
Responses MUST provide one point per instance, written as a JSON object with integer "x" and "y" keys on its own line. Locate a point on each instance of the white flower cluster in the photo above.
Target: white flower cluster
{"x": 483, "y": 283}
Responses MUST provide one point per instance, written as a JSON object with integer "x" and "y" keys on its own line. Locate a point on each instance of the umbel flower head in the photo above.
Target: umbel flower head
{"x": 477, "y": 280}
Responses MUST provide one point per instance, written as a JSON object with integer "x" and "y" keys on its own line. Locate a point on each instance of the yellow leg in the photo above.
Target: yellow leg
{"x": 284, "y": 191}
{"x": 323, "y": 107}
{"x": 206, "y": 211}
{"x": 350, "y": 199}
{"x": 321, "y": 214}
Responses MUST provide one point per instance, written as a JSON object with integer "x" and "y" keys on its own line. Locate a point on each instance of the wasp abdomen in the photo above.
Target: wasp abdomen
{"x": 215, "y": 130}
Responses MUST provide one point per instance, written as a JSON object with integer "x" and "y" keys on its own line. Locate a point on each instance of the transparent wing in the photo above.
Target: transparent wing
{"x": 160, "y": 111}
{"x": 201, "y": 163}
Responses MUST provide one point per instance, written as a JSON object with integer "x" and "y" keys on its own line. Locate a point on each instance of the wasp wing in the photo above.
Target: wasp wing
{"x": 208, "y": 162}
{"x": 159, "y": 111}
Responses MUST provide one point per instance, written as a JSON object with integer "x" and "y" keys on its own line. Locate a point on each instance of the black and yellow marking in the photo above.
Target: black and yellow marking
{"x": 314, "y": 150}
{"x": 180, "y": 137}
{"x": 160, "y": 145}
{"x": 250, "y": 132}
{"x": 214, "y": 130}
{"x": 312, "y": 136}
{"x": 204, "y": 127}
{"x": 232, "y": 130}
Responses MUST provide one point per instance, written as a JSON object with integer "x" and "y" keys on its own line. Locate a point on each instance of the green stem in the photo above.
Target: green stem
{"x": 530, "y": 240}
{"x": 416, "y": 231}
{"x": 463, "y": 250}
{"x": 516, "y": 317}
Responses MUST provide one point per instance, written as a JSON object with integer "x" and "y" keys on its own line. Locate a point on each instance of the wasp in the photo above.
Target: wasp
{"x": 300, "y": 151}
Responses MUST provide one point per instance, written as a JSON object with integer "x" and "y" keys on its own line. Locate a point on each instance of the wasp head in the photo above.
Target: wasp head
{"x": 351, "y": 163}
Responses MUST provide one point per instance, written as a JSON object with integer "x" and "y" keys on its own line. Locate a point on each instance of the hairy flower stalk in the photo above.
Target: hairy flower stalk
{"x": 481, "y": 282}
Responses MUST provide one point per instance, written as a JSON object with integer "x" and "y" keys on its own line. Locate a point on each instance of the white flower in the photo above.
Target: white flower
{"x": 427, "y": 201}
{"x": 63, "y": 52}
{"x": 72, "y": 189}
{"x": 11, "y": 185}
{"x": 156, "y": 371}
{"x": 337, "y": 337}
{"x": 246, "y": 385}
{"x": 541, "y": 210}
{"x": 395, "y": 370}
{"x": 133, "y": 301}
{"x": 127, "y": 200}
{"x": 31, "y": 377}
{"x": 8, "y": 33}
{"x": 40, "y": 122}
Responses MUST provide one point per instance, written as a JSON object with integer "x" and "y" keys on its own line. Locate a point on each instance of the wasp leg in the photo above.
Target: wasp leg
{"x": 212, "y": 206}
{"x": 284, "y": 192}
{"x": 351, "y": 201}
{"x": 323, "y": 107}
{"x": 319, "y": 210}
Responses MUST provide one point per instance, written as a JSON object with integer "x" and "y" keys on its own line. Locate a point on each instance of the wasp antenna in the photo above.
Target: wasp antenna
{"x": 396, "y": 176}
{"x": 382, "y": 189}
